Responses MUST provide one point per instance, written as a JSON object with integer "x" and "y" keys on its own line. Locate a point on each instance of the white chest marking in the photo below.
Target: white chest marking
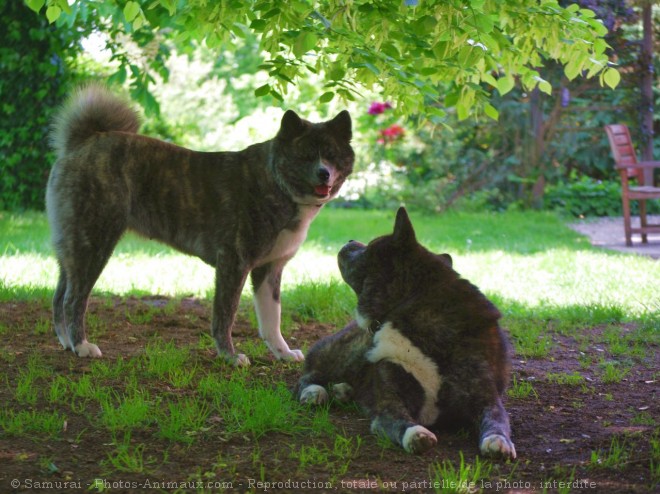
{"x": 391, "y": 345}
{"x": 288, "y": 241}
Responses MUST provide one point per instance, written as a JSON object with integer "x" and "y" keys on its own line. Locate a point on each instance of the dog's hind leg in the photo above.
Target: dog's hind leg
{"x": 338, "y": 359}
{"x": 266, "y": 284}
{"x": 83, "y": 253}
{"x": 494, "y": 434}
{"x": 412, "y": 437}
{"x": 397, "y": 396}
{"x": 58, "y": 312}
{"x": 228, "y": 287}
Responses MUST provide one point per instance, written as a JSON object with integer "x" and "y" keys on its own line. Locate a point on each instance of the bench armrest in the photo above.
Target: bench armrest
{"x": 640, "y": 165}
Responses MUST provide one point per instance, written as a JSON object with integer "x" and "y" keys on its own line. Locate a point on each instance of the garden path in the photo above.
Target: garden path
{"x": 608, "y": 234}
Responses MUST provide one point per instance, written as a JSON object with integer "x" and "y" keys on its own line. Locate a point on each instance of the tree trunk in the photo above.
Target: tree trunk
{"x": 646, "y": 63}
{"x": 537, "y": 146}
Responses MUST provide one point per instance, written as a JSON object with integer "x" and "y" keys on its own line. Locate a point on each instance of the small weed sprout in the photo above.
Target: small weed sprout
{"x": 466, "y": 477}
{"x": 522, "y": 389}
{"x": 613, "y": 372}
{"x": 564, "y": 379}
{"x": 618, "y": 454}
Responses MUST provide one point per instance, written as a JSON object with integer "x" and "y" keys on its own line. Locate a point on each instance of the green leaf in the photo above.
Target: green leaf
{"x": 462, "y": 110}
{"x": 452, "y": 98}
{"x": 258, "y": 25}
{"x": 304, "y": 43}
{"x": 600, "y": 45}
{"x": 64, "y": 5}
{"x": 35, "y": 4}
{"x": 488, "y": 78}
{"x": 491, "y": 111}
{"x": 337, "y": 73}
{"x": 484, "y": 23}
{"x": 138, "y": 22}
{"x": 505, "y": 84}
{"x": 327, "y": 97}
{"x": 545, "y": 87}
{"x": 262, "y": 90}
{"x": 426, "y": 24}
{"x": 118, "y": 77}
{"x": 53, "y": 13}
{"x": 572, "y": 70}
{"x": 170, "y": 5}
{"x": 611, "y": 77}
{"x": 131, "y": 10}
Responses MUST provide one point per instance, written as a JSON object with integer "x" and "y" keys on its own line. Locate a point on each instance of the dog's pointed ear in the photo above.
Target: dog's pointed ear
{"x": 446, "y": 258}
{"x": 340, "y": 126}
{"x": 404, "y": 234}
{"x": 291, "y": 127}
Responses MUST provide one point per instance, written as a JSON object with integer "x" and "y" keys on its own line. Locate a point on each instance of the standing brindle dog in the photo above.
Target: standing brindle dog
{"x": 244, "y": 212}
{"x": 426, "y": 349}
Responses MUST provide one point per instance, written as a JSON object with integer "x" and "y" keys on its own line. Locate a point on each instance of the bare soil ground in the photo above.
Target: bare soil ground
{"x": 555, "y": 430}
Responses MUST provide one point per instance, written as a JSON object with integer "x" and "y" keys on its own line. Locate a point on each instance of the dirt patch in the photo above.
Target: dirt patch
{"x": 570, "y": 414}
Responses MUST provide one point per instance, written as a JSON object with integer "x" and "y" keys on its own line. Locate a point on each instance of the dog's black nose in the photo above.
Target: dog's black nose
{"x": 323, "y": 174}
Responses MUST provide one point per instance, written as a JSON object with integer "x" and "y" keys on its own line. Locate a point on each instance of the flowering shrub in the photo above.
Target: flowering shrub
{"x": 380, "y": 126}
{"x": 428, "y": 168}
{"x": 381, "y": 177}
{"x": 390, "y": 134}
{"x": 377, "y": 108}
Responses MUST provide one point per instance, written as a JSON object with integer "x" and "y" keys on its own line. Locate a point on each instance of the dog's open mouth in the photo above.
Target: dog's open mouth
{"x": 322, "y": 190}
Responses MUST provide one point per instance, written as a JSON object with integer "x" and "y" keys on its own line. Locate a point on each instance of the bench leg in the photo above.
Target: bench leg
{"x": 642, "y": 219}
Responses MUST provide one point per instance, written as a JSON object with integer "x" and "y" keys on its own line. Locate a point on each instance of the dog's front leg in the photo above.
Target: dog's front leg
{"x": 266, "y": 284}
{"x": 230, "y": 276}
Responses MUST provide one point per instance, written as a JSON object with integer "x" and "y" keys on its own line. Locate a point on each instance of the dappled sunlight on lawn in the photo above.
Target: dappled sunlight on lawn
{"x": 164, "y": 274}
{"x": 531, "y": 258}
{"x": 566, "y": 278}
{"x": 558, "y": 277}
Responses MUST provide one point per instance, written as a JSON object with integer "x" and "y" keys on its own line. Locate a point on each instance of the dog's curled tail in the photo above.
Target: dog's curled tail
{"x": 89, "y": 110}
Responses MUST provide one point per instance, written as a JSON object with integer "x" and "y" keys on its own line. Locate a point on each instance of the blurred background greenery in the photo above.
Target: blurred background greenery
{"x": 544, "y": 151}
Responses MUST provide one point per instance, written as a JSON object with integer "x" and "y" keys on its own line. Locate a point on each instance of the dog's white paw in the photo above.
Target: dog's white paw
{"x": 418, "y": 439}
{"x": 236, "y": 359}
{"x": 498, "y": 445}
{"x": 342, "y": 392}
{"x": 286, "y": 354}
{"x": 314, "y": 394}
{"x": 295, "y": 355}
{"x": 281, "y": 350}
{"x": 87, "y": 349}
{"x": 241, "y": 360}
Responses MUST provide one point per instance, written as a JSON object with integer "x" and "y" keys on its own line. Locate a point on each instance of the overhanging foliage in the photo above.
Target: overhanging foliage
{"x": 410, "y": 49}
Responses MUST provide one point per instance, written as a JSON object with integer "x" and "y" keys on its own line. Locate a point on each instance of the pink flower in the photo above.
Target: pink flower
{"x": 377, "y": 108}
{"x": 391, "y": 133}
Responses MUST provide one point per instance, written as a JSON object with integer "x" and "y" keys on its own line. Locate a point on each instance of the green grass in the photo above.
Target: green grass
{"x": 527, "y": 259}
{"x": 614, "y": 372}
{"x": 547, "y": 281}
{"x": 33, "y": 423}
{"x": 134, "y": 410}
{"x": 573, "y": 379}
{"x": 463, "y": 478}
{"x": 615, "y": 457}
{"x": 521, "y": 389}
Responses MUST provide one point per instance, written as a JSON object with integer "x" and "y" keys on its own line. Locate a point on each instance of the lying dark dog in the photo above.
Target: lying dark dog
{"x": 426, "y": 349}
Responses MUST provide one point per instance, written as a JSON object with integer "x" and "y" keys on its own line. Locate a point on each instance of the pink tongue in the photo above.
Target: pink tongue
{"x": 322, "y": 190}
